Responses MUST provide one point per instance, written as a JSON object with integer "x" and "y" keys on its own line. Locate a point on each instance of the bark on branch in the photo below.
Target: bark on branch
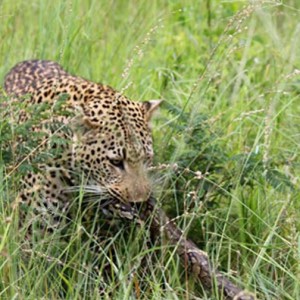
{"x": 197, "y": 260}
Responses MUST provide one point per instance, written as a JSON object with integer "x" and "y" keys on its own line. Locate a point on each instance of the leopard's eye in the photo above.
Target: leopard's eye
{"x": 117, "y": 163}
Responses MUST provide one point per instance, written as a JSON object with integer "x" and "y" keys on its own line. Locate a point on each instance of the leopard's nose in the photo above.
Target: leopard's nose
{"x": 141, "y": 193}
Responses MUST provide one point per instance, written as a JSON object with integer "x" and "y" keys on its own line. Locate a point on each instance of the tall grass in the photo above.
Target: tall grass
{"x": 228, "y": 133}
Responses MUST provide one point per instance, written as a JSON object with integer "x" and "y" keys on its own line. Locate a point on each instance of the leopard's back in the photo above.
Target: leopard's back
{"x": 25, "y": 75}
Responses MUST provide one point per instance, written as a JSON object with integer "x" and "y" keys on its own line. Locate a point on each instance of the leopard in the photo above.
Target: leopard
{"x": 110, "y": 145}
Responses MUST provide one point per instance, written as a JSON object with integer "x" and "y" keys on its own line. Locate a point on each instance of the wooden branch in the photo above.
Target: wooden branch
{"x": 196, "y": 260}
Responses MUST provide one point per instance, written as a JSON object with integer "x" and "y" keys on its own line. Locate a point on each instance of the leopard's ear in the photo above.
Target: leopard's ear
{"x": 149, "y": 107}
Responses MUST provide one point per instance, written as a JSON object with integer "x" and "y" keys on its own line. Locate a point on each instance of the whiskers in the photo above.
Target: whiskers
{"x": 91, "y": 195}
{"x": 158, "y": 180}
{"x": 86, "y": 189}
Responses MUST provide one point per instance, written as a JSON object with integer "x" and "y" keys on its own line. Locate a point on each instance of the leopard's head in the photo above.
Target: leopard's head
{"x": 114, "y": 149}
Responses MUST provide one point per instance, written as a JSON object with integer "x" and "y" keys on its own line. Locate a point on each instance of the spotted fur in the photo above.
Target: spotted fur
{"x": 111, "y": 144}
